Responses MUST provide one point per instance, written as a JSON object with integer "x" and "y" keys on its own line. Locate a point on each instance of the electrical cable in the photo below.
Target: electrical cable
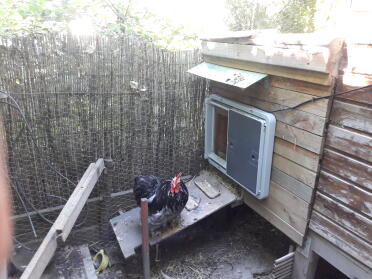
{"x": 25, "y": 207}
{"x": 321, "y": 98}
{"x": 18, "y": 108}
{"x": 23, "y": 245}
{"x": 16, "y": 105}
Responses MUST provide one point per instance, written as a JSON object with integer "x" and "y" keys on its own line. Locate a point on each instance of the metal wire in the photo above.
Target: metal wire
{"x": 80, "y": 106}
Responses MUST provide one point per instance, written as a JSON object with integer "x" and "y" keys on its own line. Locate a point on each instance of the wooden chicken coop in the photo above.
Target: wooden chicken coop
{"x": 298, "y": 69}
{"x": 320, "y": 173}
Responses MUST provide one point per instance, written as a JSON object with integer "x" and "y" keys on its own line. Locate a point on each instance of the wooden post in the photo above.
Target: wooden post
{"x": 107, "y": 199}
{"x": 145, "y": 239}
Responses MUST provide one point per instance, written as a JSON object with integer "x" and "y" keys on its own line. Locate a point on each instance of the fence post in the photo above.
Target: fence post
{"x": 107, "y": 199}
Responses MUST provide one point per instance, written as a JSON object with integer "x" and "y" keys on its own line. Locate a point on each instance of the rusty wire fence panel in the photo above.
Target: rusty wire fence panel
{"x": 86, "y": 98}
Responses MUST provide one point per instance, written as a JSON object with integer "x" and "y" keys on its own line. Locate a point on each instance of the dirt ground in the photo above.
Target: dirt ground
{"x": 231, "y": 244}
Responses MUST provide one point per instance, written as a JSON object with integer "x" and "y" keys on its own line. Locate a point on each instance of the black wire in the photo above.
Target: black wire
{"x": 18, "y": 108}
{"x": 17, "y": 188}
{"x": 25, "y": 207}
{"x": 321, "y": 98}
{"x": 23, "y": 245}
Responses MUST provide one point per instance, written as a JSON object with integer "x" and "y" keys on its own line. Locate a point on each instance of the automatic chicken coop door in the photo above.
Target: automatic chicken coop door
{"x": 239, "y": 142}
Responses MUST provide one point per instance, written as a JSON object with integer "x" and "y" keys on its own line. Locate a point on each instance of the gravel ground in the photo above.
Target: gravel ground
{"x": 231, "y": 244}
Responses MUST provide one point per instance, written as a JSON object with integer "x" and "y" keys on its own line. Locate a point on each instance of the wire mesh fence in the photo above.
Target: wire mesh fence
{"x": 89, "y": 98}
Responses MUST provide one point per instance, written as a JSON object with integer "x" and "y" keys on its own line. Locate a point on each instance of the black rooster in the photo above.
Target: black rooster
{"x": 166, "y": 199}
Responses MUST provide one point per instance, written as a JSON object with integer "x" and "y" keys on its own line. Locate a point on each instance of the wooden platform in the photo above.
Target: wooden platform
{"x": 127, "y": 226}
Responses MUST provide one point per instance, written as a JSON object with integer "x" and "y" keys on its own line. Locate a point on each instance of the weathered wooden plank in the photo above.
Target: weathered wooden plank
{"x": 287, "y": 206}
{"x": 314, "y": 77}
{"x": 297, "y": 118}
{"x": 295, "y": 170}
{"x": 342, "y": 238}
{"x": 78, "y": 198}
{"x": 282, "y": 97}
{"x": 346, "y": 192}
{"x": 44, "y": 253}
{"x": 352, "y": 116}
{"x": 344, "y": 216}
{"x": 353, "y": 81}
{"x": 274, "y": 38}
{"x": 294, "y": 186}
{"x": 350, "y": 142}
{"x": 274, "y": 219}
{"x": 348, "y": 168}
{"x": 297, "y": 154}
{"x": 300, "y": 86}
{"x": 299, "y": 137}
{"x": 314, "y": 59}
{"x": 64, "y": 222}
{"x": 348, "y": 265}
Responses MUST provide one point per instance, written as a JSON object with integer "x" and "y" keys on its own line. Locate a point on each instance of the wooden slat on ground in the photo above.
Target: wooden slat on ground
{"x": 75, "y": 263}
{"x": 64, "y": 222}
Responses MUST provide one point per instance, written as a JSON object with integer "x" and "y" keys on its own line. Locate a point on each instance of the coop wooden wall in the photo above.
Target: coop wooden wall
{"x": 343, "y": 204}
{"x": 300, "y": 67}
{"x": 298, "y": 143}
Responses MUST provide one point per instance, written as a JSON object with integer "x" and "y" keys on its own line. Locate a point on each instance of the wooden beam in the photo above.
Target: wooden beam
{"x": 300, "y": 86}
{"x": 280, "y": 96}
{"x": 339, "y": 259}
{"x": 42, "y": 257}
{"x": 344, "y": 239}
{"x": 64, "y": 222}
{"x": 275, "y": 39}
{"x": 76, "y": 202}
{"x": 314, "y": 58}
{"x": 299, "y": 74}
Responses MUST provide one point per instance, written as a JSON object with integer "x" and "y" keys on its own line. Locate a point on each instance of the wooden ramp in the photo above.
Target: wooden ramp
{"x": 127, "y": 226}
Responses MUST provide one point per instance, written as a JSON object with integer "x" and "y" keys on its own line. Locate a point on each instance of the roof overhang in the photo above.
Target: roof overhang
{"x": 230, "y": 76}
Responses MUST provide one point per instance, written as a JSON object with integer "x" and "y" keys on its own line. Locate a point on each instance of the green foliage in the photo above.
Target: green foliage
{"x": 110, "y": 17}
{"x": 297, "y": 16}
{"x": 248, "y": 15}
{"x": 288, "y": 16}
